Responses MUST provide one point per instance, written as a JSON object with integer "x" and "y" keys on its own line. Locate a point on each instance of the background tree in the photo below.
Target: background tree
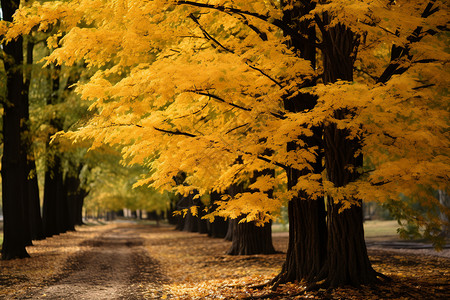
{"x": 14, "y": 160}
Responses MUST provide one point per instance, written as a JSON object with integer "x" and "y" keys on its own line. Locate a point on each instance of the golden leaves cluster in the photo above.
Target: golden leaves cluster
{"x": 182, "y": 87}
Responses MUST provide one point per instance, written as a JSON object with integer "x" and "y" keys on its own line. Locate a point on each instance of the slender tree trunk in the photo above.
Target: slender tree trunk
{"x": 34, "y": 206}
{"x": 54, "y": 208}
{"x": 173, "y": 220}
{"x": 14, "y": 160}
{"x": 82, "y": 193}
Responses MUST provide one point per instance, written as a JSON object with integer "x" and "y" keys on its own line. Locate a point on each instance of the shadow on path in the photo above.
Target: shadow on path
{"x": 115, "y": 265}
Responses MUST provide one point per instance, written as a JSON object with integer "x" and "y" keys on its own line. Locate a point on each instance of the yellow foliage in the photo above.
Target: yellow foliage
{"x": 185, "y": 88}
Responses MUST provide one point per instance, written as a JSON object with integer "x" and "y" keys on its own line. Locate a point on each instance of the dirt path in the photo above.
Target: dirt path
{"x": 113, "y": 266}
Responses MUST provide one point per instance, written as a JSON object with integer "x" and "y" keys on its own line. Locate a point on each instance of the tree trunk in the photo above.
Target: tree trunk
{"x": 55, "y": 208}
{"x": 231, "y": 226}
{"x": 249, "y": 239}
{"x": 14, "y": 160}
{"x": 190, "y": 222}
{"x": 218, "y": 228}
{"x": 72, "y": 190}
{"x": 173, "y": 220}
{"x": 307, "y": 225}
{"x": 193, "y": 223}
{"x": 444, "y": 200}
{"x": 347, "y": 259}
{"x": 34, "y": 206}
{"x": 53, "y": 196}
{"x": 82, "y": 193}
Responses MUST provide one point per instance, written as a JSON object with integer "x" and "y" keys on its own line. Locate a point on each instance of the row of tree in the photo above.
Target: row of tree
{"x": 32, "y": 105}
{"x": 340, "y": 100}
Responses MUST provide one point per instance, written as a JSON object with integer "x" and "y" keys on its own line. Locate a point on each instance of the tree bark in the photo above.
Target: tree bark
{"x": 34, "y": 206}
{"x": 14, "y": 160}
{"x": 53, "y": 195}
{"x": 307, "y": 226}
{"x": 218, "y": 228}
{"x": 249, "y": 239}
{"x": 55, "y": 210}
{"x": 194, "y": 223}
{"x": 347, "y": 260}
{"x": 230, "y": 230}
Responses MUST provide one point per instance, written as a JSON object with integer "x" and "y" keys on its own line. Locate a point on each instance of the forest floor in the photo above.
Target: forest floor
{"x": 138, "y": 261}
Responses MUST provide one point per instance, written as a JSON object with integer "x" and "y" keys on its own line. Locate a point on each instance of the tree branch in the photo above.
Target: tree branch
{"x": 271, "y": 162}
{"x": 199, "y": 92}
{"x": 235, "y": 128}
{"x": 228, "y": 9}
{"x": 207, "y": 35}
{"x": 244, "y": 20}
{"x": 174, "y": 132}
{"x": 399, "y": 51}
{"x": 177, "y": 132}
{"x": 215, "y": 41}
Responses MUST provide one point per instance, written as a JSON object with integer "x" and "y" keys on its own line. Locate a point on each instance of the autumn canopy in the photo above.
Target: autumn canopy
{"x": 344, "y": 101}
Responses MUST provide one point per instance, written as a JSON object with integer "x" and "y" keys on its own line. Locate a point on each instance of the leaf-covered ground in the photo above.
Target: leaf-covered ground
{"x": 193, "y": 266}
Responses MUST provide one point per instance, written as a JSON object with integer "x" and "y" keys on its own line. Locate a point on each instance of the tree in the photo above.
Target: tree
{"x": 248, "y": 238}
{"x": 14, "y": 159}
{"x": 34, "y": 207}
{"x": 192, "y": 86}
{"x": 343, "y": 158}
{"x": 219, "y": 227}
{"x": 307, "y": 230}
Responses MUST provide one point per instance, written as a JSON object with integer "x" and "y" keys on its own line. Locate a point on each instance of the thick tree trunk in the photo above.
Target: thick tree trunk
{"x": 82, "y": 193}
{"x": 307, "y": 225}
{"x": 194, "y": 223}
{"x": 249, "y": 239}
{"x": 14, "y": 160}
{"x": 231, "y": 225}
{"x": 202, "y": 223}
{"x": 218, "y": 228}
{"x": 190, "y": 222}
{"x": 53, "y": 196}
{"x": 347, "y": 259}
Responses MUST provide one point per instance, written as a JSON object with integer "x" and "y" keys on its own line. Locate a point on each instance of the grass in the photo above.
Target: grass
{"x": 383, "y": 228}
{"x": 375, "y": 228}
